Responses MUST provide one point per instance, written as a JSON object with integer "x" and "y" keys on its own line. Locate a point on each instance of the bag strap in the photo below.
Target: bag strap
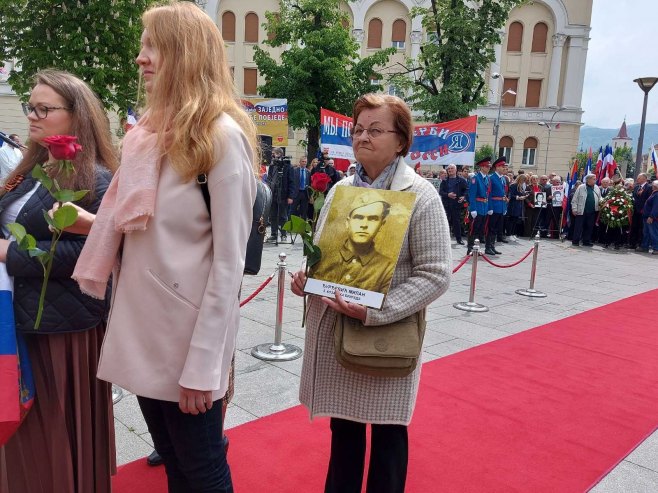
{"x": 202, "y": 180}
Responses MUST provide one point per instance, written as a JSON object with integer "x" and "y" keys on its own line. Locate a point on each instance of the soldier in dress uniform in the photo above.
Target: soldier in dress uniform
{"x": 478, "y": 203}
{"x": 497, "y": 205}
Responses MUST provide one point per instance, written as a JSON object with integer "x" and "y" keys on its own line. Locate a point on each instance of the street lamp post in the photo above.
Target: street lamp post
{"x": 646, "y": 84}
{"x": 550, "y": 127}
{"x": 496, "y": 75}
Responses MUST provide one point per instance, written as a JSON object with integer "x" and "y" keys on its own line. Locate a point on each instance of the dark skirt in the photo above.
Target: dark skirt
{"x": 66, "y": 443}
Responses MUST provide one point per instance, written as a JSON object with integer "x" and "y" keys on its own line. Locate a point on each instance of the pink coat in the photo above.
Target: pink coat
{"x": 175, "y": 309}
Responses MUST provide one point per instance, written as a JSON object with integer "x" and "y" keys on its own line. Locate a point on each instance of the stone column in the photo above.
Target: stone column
{"x": 555, "y": 70}
{"x": 575, "y": 76}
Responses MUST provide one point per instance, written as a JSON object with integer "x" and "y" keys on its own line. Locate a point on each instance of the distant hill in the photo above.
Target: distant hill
{"x": 595, "y": 137}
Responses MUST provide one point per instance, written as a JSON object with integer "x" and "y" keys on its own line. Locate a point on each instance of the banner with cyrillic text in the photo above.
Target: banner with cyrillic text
{"x": 270, "y": 116}
{"x": 335, "y": 134}
{"x": 446, "y": 143}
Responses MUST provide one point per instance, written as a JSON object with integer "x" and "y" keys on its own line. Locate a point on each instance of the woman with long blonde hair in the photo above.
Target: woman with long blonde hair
{"x": 175, "y": 311}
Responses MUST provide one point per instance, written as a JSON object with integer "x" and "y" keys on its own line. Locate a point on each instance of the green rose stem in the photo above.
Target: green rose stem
{"x": 46, "y": 271}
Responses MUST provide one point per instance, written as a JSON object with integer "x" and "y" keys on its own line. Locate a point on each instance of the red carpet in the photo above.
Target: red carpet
{"x": 550, "y": 409}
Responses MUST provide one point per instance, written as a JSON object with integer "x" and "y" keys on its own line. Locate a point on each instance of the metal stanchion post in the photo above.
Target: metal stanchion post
{"x": 278, "y": 351}
{"x": 531, "y": 291}
{"x": 117, "y": 394}
{"x": 471, "y": 305}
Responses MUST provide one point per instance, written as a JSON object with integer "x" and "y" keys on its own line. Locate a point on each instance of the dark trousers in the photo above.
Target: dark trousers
{"x": 389, "y": 454}
{"x": 637, "y": 227}
{"x": 494, "y": 228}
{"x": 583, "y": 228}
{"x": 191, "y": 447}
{"x": 300, "y": 204}
{"x": 278, "y": 216}
{"x": 477, "y": 230}
{"x": 454, "y": 220}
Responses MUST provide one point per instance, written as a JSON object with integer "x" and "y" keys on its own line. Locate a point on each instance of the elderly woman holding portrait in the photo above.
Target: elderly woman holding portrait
{"x": 585, "y": 205}
{"x": 382, "y": 135}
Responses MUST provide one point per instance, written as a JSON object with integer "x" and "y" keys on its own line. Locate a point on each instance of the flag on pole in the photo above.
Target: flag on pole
{"x": 131, "y": 120}
{"x": 16, "y": 383}
{"x": 609, "y": 164}
{"x": 588, "y": 167}
{"x": 654, "y": 160}
{"x": 574, "y": 173}
{"x": 599, "y": 166}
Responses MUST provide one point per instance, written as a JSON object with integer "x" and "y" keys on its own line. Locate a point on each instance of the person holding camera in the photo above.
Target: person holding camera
{"x": 326, "y": 166}
{"x": 281, "y": 179}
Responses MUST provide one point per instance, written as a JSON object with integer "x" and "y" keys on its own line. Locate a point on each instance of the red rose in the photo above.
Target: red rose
{"x": 63, "y": 146}
{"x": 320, "y": 181}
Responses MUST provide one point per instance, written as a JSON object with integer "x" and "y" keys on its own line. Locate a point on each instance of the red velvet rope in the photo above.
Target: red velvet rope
{"x": 258, "y": 290}
{"x": 508, "y": 265}
{"x": 461, "y": 264}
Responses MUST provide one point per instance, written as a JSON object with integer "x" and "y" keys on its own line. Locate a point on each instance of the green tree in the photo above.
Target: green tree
{"x": 446, "y": 81}
{"x": 484, "y": 151}
{"x": 321, "y": 67}
{"x": 623, "y": 156}
{"x": 97, "y": 41}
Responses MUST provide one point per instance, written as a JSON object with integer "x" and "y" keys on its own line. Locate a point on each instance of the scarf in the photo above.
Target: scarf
{"x": 128, "y": 204}
{"x": 382, "y": 182}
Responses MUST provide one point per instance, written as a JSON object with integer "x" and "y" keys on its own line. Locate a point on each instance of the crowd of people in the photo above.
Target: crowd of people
{"x": 498, "y": 206}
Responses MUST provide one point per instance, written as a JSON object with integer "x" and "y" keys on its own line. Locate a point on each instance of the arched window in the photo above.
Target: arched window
{"x": 251, "y": 28}
{"x": 375, "y": 33}
{"x": 505, "y": 148}
{"x": 399, "y": 34}
{"x": 514, "y": 36}
{"x": 228, "y": 26}
{"x": 250, "y": 81}
{"x": 529, "y": 151}
{"x": 539, "y": 35}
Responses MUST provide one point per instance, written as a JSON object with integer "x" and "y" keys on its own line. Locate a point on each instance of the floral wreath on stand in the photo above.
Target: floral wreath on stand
{"x": 616, "y": 209}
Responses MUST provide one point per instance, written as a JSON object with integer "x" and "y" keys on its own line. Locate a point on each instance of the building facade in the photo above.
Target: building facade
{"x": 541, "y": 59}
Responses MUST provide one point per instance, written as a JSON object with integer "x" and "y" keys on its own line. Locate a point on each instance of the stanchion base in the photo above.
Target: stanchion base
{"x": 468, "y": 306}
{"x": 117, "y": 394}
{"x": 276, "y": 352}
{"x": 531, "y": 293}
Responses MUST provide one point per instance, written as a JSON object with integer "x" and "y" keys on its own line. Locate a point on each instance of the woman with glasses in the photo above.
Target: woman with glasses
{"x": 175, "y": 309}
{"x": 381, "y": 137}
{"x": 66, "y": 442}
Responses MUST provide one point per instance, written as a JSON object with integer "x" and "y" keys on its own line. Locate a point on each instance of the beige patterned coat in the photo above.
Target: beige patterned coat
{"x": 421, "y": 275}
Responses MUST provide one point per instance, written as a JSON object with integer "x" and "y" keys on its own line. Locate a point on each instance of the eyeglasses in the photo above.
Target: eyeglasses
{"x": 41, "y": 110}
{"x": 373, "y": 132}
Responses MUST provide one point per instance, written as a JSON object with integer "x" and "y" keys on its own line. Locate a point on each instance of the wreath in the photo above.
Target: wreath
{"x": 616, "y": 209}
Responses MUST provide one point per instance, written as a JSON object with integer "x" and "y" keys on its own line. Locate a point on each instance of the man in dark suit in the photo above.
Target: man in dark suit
{"x": 641, "y": 193}
{"x": 302, "y": 181}
{"x": 453, "y": 192}
{"x": 281, "y": 179}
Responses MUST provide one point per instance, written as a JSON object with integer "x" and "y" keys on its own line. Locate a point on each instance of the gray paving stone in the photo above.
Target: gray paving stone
{"x": 130, "y": 446}
{"x": 236, "y": 416}
{"x": 450, "y": 347}
{"x": 127, "y": 412}
{"x": 628, "y": 478}
{"x": 646, "y": 454}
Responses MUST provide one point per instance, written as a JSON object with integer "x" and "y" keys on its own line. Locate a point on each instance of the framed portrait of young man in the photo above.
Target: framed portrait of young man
{"x": 360, "y": 243}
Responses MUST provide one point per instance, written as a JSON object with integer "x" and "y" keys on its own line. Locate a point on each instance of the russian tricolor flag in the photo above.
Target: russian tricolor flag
{"x": 16, "y": 382}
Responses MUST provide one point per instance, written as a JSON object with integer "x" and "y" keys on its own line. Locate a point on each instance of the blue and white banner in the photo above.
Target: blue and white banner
{"x": 335, "y": 134}
{"x": 446, "y": 143}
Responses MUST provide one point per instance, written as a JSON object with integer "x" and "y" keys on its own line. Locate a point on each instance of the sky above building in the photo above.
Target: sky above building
{"x": 623, "y": 47}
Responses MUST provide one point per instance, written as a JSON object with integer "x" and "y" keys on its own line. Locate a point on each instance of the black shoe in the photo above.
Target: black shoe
{"x": 271, "y": 239}
{"x": 503, "y": 240}
{"x": 284, "y": 237}
{"x": 154, "y": 459}
{"x": 460, "y": 242}
{"x": 589, "y": 245}
{"x": 575, "y": 243}
{"x": 496, "y": 251}
{"x": 489, "y": 251}
{"x": 469, "y": 251}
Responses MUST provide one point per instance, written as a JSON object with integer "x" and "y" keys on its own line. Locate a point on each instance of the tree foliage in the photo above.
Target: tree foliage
{"x": 484, "y": 151}
{"x": 625, "y": 160}
{"x": 446, "y": 82}
{"x": 97, "y": 41}
{"x": 321, "y": 66}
